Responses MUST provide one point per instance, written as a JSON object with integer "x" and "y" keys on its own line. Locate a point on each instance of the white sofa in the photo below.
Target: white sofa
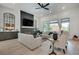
{"x": 45, "y": 35}
{"x": 29, "y": 41}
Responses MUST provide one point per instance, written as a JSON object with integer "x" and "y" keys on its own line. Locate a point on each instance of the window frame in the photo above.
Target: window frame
{"x": 65, "y": 20}
{"x": 54, "y": 22}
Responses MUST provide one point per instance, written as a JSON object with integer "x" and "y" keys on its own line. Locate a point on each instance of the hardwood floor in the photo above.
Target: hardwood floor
{"x": 73, "y": 47}
{"x": 12, "y": 47}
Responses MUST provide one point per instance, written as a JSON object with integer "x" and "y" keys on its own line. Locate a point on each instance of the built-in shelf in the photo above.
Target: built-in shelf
{"x": 27, "y": 27}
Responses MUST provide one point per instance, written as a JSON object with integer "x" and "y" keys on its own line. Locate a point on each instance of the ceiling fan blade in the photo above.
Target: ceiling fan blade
{"x": 38, "y": 8}
{"x": 46, "y": 8}
{"x": 43, "y": 6}
{"x": 39, "y": 4}
{"x": 46, "y": 5}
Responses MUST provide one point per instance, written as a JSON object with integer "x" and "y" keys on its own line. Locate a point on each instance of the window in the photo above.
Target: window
{"x": 54, "y": 26}
{"x": 46, "y": 26}
{"x": 57, "y": 25}
{"x": 65, "y": 24}
{"x": 9, "y": 21}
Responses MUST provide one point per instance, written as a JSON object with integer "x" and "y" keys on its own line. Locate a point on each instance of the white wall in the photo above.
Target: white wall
{"x": 73, "y": 14}
{"x": 15, "y": 12}
{"x": 39, "y": 22}
{"x": 1, "y": 19}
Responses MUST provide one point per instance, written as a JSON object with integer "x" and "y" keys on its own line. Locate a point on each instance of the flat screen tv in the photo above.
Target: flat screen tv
{"x": 27, "y": 22}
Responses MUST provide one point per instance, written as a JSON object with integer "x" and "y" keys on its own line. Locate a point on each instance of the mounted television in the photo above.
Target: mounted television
{"x": 27, "y": 19}
{"x": 27, "y": 22}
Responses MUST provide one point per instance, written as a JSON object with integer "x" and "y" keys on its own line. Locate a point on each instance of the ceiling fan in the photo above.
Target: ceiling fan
{"x": 43, "y": 6}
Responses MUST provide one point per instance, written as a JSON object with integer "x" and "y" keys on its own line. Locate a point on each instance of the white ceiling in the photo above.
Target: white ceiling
{"x": 31, "y": 7}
